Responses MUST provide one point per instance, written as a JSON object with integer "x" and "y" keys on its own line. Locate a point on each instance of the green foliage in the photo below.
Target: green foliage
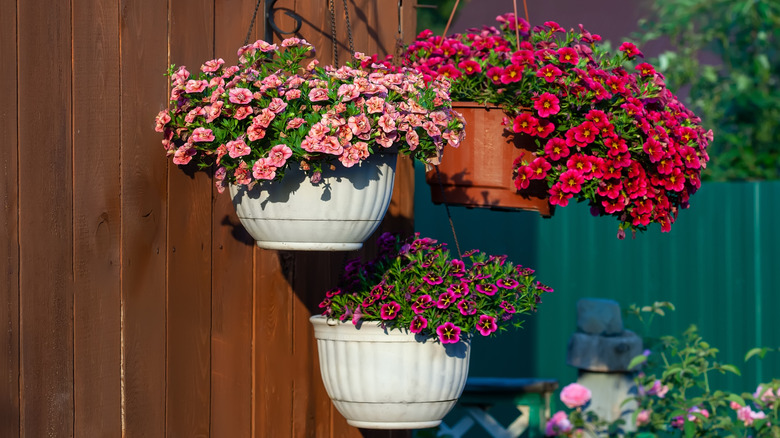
{"x": 433, "y": 14}
{"x": 727, "y": 52}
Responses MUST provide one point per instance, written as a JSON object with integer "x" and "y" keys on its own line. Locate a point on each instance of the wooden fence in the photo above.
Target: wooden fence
{"x": 132, "y": 303}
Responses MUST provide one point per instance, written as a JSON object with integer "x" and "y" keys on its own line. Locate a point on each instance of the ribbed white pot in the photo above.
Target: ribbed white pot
{"x": 382, "y": 379}
{"x": 337, "y": 214}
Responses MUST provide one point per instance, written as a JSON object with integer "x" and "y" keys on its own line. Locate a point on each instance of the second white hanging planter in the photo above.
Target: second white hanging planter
{"x": 388, "y": 379}
{"x": 337, "y": 214}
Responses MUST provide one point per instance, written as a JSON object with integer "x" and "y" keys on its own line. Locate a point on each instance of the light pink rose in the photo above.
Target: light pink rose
{"x": 242, "y": 112}
{"x": 213, "y": 111}
{"x": 262, "y": 169}
{"x": 318, "y": 94}
{"x": 184, "y": 154}
{"x": 575, "y": 395}
{"x": 212, "y": 66}
{"x": 278, "y": 155}
{"x": 241, "y": 96}
{"x": 161, "y": 120}
{"x": 242, "y": 174}
{"x": 255, "y": 132}
{"x": 292, "y": 94}
{"x": 348, "y": 92}
{"x": 237, "y": 148}
{"x": 201, "y": 135}
{"x": 277, "y": 105}
{"x": 195, "y": 112}
{"x": 295, "y": 123}
{"x": 194, "y": 86}
{"x": 264, "y": 46}
{"x": 264, "y": 119}
{"x": 359, "y": 124}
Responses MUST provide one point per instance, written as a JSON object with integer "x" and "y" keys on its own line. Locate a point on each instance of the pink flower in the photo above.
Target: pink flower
{"x": 558, "y": 196}
{"x": 278, "y": 155}
{"x": 421, "y": 303}
{"x": 567, "y": 55}
{"x": 658, "y": 390}
{"x": 512, "y": 73}
{"x": 471, "y": 67}
{"x": 643, "y": 417}
{"x": 486, "y": 325}
{"x": 161, "y": 120}
{"x": 630, "y": 50}
{"x": 264, "y": 119}
{"x": 277, "y": 105}
{"x": 318, "y": 94}
{"x": 241, "y": 174}
{"x": 449, "y": 71}
{"x": 547, "y": 105}
{"x": 387, "y": 123}
{"x": 348, "y": 92}
{"x": 213, "y": 111}
{"x": 264, "y": 46}
{"x": 292, "y": 94}
{"x": 556, "y": 148}
{"x": 494, "y": 74}
{"x": 558, "y": 424}
{"x": 467, "y": 307}
{"x": 571, "y": 181}
{"x": 448, "y": 333}
{"x": 201, "y": 134}
{"x": 575, "y": 395}
{"x": 184, "y": 154}
{"x": 525, "y": 123}
{"x": 412, "y": 139}
{"x": 445, "y": 300}
{"x": 255, "y": 133}
{"x": 242, "y": 112}
{"x": 212, "y": 66}
{"x": 523, "y": 178}
{"x": 194, "y": 86}
{"x": 263, "y": 169}
{"x": 549, "y": 72}
{"x": 487, "y": 289}
{"x": 359, "y": 124}
{"x": 237, "y": 148}
{"x": 241, "y": 96}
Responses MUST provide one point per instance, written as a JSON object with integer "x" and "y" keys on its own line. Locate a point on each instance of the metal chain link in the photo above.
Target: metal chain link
{"x": 349, "y": 28}
{"x": 332, "y": 9}
{"x": 252, "y": 23}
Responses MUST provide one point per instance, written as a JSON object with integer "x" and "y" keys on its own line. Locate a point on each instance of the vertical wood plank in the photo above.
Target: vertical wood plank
{"x": 96, "y": 219}
{"x": 46, "y": 220}
{"x": 232, "y": 266}
{"x": 9, "y": 227}
{"x": 144, "y": 59}
{"x": 273, "y": 344}
{"x": 188, "y": 365}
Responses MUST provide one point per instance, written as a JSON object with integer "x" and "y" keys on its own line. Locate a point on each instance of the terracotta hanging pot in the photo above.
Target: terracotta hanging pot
{"x": 479, "y": 172}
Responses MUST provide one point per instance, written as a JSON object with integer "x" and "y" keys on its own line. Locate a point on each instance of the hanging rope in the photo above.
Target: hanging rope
{"x": 447, "y": 208}
{"x": 252, "y": 23}
{"x": 517, "y": 28}
{"x": 525, "y": 5}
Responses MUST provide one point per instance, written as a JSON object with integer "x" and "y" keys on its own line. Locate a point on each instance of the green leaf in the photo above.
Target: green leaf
{"x": 736, "y": 398}
{"x": 730, "y": 368}
{"x": 636, "y": 361}
{"x": 759, "y": 351}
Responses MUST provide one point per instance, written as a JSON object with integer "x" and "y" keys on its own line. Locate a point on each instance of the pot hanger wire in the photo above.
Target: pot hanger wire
{"x": 436, "y": 167}
{"x": 270, "y": 24}
{"x": 332, "y": 10}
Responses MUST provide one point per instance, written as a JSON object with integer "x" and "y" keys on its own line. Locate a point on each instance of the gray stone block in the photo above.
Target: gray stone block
{"x": 597, "y": 316}
{"x": 603, "y": 353}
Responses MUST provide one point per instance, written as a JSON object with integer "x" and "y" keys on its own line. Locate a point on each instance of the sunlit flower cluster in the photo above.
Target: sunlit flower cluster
{"x": 255, "y": 120}
{"x": 415, "y": 285}
{"x": 608, "y": 132}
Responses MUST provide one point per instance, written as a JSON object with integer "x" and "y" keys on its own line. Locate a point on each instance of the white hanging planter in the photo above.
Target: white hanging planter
{"x": 337, "y": 214}
{"x": 381, "y": 379}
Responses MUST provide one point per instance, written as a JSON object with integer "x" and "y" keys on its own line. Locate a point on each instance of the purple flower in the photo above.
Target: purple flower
{"x": 507, "y": 283}
{"x": 421, "y": 303}
{"x": 507, "y": 307}
{"x": 467, "y": 307}
{"x": 458, "y": 289}
{"x": 433, "y": 279}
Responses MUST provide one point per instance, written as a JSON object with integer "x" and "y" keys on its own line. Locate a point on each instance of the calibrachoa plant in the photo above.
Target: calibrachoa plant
{"x": 415, "y": 285}
{"x": 607, "y": 130}
{"x": 257, "y": 119}
{"x": 674, "y": 398}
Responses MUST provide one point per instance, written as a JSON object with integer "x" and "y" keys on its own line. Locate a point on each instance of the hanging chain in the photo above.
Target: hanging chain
{"x": 399, "y": 38}
{"x": 331, "y": 9}
{"x": 252, "y": 23}
{"x": 349, "y": 28}
{"x": 447, "y": 208}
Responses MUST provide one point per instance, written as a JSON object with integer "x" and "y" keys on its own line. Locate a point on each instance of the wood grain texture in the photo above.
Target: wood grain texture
{"x": 188, "y": 331}
{"x": 232, "y": 267}
{"x": 46, "y": 220}
{"x": 143, "y": 36}
{"x": 274, "y": 366}
{"x": 9, "y": 229}
{"x": 97, "y": 226}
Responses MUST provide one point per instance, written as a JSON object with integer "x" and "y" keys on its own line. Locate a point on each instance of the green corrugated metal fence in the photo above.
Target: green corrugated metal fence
{"x": 718, "y": 265}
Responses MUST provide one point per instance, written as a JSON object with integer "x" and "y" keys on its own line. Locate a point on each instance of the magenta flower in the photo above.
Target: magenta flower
{"x": 488, "y": 289}
{"x": 568, "y": 55}
{"x": 471, "y": 67}
{"x": 571, "y": 181}
{"x": 486, "y": 325}
{"x": 507, "y": 283}
{"x": 549, "y": 72}
{"x": 558, "y": 424}
{"x": 523, "y": 178}
{"x": 389, "y": 310}
{"x": 558, "y": 196}
{"x": 575, "y": 395}
{"x": 630, "y": 50}
{"x": 421, "y": 303}
{"x": 525, "y": 123}
{"x": 450, "y": 72}
{"x": 556, "y": 148}
{"x": 512, "y": 73}
{"x": 458, "y": 289}
{"x": 433, "y": 279}
{"x": 418, "y": 324}
{"x": 494, "y": 74}
{"x": 508, "y": 308}
{"x": 467, "y": 307}
{"x": 547, "y": 105}
{"x": 445, "y": 300}
{"x": 448, "y": 333}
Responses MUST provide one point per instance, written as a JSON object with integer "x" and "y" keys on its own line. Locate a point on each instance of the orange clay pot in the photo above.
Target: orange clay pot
{"x": 479, "y": 172}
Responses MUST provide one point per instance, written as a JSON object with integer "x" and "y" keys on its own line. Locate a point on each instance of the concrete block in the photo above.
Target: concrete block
{"x": 596, "y": 316}
{"x": 603, "y": 353}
